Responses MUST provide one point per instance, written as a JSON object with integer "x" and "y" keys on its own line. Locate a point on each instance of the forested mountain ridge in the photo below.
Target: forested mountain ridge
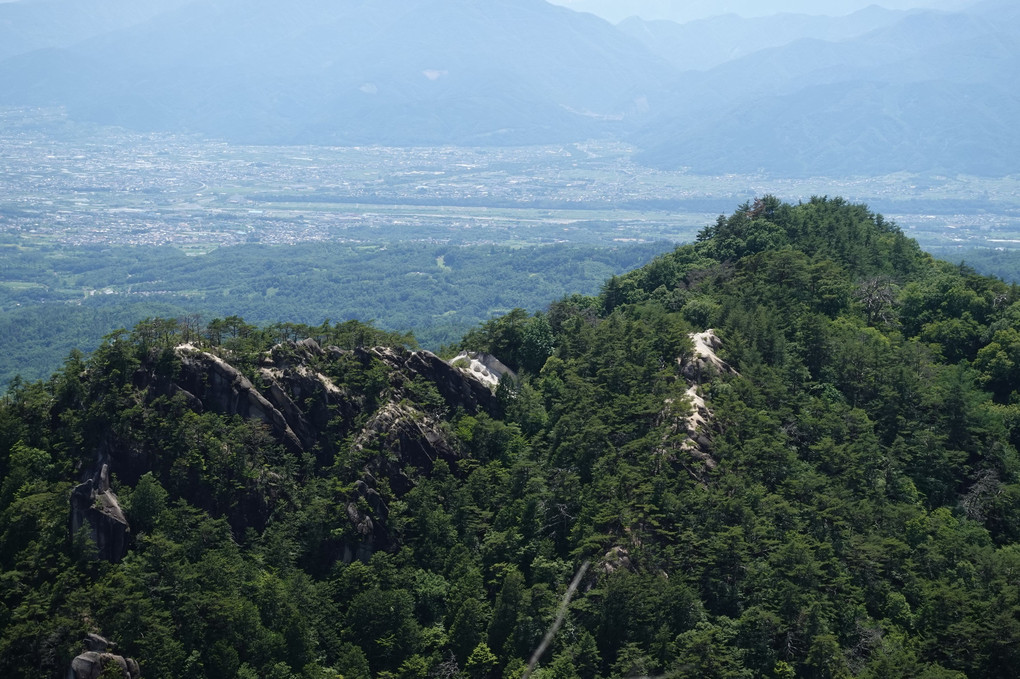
{"x": 846, "y": 503}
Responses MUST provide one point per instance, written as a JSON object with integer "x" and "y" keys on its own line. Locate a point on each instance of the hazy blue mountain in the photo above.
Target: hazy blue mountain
{"x": 706, "y": 43}
{"x": 856, "y": 128}
{"x": 29, "y": 25}
{"x": 921, "y": 47}
{"x": 389, "y": 71}
{"x": 877, "y": 91}
{"x": 682, "y": 11}
{"x": 932, "y": 92}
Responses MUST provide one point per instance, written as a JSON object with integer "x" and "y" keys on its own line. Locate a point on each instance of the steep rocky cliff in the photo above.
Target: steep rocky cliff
{"x": 95, "y": 507}
{"x": 299, "y": 394}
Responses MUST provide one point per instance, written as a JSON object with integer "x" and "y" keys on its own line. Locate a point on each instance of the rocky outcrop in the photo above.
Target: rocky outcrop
{"x": 397, "y": 443}
{"x": 95, "y": 505}
{"x": 401, "y": 436}
{"x": 296, "y": 400}
{"x": 704, "y": 364}
{"x": 458, "y": 389}
{"x": 485, "y": 368}
{"x": 291, "y": 380}
{"x": 694, "y": 451}
{"x": 221, "y": 388}
{"x": 307, "y": 410}
{"x": 617, "y": 558}
{"x": 98, "y": 655}
{"x": 367, "y": 513}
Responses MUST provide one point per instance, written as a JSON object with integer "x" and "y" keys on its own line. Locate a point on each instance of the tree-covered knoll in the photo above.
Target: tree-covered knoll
{"x": 849, "y": 507}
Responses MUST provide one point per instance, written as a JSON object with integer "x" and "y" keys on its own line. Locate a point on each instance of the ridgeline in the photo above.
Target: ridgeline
{"x": 786, "y": 450}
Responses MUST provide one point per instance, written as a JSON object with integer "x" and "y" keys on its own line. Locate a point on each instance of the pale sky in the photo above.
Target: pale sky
{"x": 687, "y": 10}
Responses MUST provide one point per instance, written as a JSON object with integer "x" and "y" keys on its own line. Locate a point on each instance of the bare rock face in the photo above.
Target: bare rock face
{"x": 372, "y": 532}
{"x": 458, "y": 389}
{"x": 466, "y": 391}
{"x": 696, "y": 448}
{"x": 617, "y": 558}
{"x": 704, "y": 364}
{"x": 297, "y": 401}
{"x": 485, "y": 368}
{"x": 98, "y": 655}
{"x": 399, "y": 438}
{"x": 307, "y": 411}
{"x": 291, "y": 379}
{"x": 222, "y": 388}
{"x": 94, "y": 504}
{"x": 402, "y": 436}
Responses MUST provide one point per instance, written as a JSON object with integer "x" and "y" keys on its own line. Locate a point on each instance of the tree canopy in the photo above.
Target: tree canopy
{"x": 849, "y": 505}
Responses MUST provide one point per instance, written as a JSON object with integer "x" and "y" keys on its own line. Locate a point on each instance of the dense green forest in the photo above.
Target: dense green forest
{"x": 845, "y": 502}
{"x": 55, "y": 298}
{"x": 1001, "y": 262}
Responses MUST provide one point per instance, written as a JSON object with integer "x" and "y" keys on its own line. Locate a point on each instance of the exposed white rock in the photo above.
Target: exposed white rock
{"x": 191, "y": 348}
{"x": 695, "y": 446}
{"x": 326, "y": 382}
{"x": 483, "y": 367}
{"x": 271, "y": 373}
{"x": 705, "y": 345}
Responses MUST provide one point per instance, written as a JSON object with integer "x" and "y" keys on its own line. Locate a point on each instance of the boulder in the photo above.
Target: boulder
{"x": 98, "y": 655}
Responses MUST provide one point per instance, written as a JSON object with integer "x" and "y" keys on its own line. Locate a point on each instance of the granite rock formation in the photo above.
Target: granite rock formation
{"x": 95, "y": 505}
{"x": 97, "y": 656}
{"x": 297, "y": 392}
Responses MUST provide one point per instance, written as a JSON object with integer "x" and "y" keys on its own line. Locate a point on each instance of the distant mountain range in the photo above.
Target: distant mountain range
{"x": 28, "y": 25}
{"x": 381, "y": 71}
{"x": 684, "y": 11}
{"x": 875, "y": 92}
{"x": 928, "y": 92}
{"x": 707, "y": 43}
